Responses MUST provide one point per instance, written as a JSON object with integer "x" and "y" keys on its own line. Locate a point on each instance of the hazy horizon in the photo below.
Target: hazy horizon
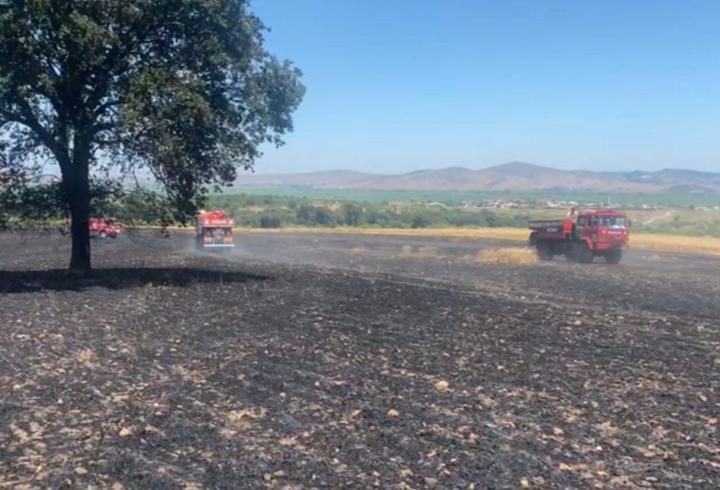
{"x": 405, "y": 85}
{"x": 259, "y": 170}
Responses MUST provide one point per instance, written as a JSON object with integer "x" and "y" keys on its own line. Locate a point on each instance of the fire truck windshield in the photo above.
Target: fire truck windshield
{"x": 612, "y": 221}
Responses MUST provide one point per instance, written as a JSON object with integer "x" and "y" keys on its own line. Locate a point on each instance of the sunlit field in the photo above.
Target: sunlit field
{"x": 512, "y": 234}
{"x": 508, "y": 255}
{"x": 646, "y": 241}
{"x": 676, "y": 243}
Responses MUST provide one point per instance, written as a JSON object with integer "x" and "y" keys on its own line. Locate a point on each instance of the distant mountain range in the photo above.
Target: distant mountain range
{"x": 509, "y": 177}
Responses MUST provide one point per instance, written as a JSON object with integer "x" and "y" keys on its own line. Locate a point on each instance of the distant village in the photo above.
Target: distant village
{"x": 562, "y": 204}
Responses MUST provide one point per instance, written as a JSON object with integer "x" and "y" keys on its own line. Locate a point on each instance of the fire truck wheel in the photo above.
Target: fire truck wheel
{"x": 613, "y": 256}
{"x": 545, "y": 251}
{"x": 583, "y": 253}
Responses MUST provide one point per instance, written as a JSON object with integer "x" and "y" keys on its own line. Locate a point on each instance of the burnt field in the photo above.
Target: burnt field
{"x": 304, "y": 361}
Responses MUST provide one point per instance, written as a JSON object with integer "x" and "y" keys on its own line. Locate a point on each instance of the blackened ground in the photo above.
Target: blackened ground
{"x": 303, "y": 361}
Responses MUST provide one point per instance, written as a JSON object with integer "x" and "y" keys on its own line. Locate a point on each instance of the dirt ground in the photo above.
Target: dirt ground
{"x": 303, "y": 361}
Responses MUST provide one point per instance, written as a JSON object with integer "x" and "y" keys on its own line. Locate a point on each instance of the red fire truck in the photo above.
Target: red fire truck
{"x": 214, "y": 230}
{"x": 593, "y": 233}
{"x": 104, "y": 228}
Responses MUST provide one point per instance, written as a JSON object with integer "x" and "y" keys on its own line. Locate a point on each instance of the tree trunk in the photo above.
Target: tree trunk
{"x": 80, "y": 264}
{"x": 76, "y": 181}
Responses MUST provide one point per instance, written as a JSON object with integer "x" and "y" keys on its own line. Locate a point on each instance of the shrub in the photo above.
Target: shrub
{"x": 270, "y": 221}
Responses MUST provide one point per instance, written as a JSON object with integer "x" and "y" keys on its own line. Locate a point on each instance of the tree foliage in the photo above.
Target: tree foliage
{"x": 182, "y": 88}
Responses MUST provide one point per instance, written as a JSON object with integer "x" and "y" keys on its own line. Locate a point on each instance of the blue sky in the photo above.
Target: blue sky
{"x": 399, "y": 85}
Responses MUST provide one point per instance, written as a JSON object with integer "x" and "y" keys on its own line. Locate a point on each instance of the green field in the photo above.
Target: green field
{"x": 458, "y": 197}
{"x": 282, "y": 208}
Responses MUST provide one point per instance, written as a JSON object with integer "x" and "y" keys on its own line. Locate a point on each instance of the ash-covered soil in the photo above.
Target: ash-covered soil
{"x": 304, "y": 361}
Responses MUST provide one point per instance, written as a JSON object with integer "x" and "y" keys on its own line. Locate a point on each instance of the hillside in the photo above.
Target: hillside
{"x": 513, "y": 176}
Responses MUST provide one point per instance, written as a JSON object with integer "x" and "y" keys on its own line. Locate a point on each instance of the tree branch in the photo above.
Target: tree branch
{"x": 27, "y": 118}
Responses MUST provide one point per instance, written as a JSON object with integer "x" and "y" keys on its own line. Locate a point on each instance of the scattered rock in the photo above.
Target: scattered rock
{"x": 442, "y": 386}
{"x": 126, "y": 432}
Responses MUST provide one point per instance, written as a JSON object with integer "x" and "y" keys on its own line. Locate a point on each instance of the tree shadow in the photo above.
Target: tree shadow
{"x": 118, "y": 278}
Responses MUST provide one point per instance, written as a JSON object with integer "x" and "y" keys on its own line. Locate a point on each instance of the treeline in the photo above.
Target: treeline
{"x": 281, "y": 211}
{"x": 41, "y": 206}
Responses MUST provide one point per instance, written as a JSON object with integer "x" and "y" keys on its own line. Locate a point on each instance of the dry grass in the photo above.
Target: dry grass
{"x": 515, "y": 234}
{"x": 676, "y": 243}
{"x": 407, "y": 251}
{"x": 645, "y": 241}
{"x": 510, "y": 234}
{"x": 508, "y": 255}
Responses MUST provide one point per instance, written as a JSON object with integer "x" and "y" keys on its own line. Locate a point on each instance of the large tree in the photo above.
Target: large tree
{"x": 184, "y": 88}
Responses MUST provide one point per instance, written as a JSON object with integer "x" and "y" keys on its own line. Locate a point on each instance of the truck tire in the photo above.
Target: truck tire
{"x": 583, "y": 254}
{"x": 613, "y": 256}
{"x": 545, "y": 251}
